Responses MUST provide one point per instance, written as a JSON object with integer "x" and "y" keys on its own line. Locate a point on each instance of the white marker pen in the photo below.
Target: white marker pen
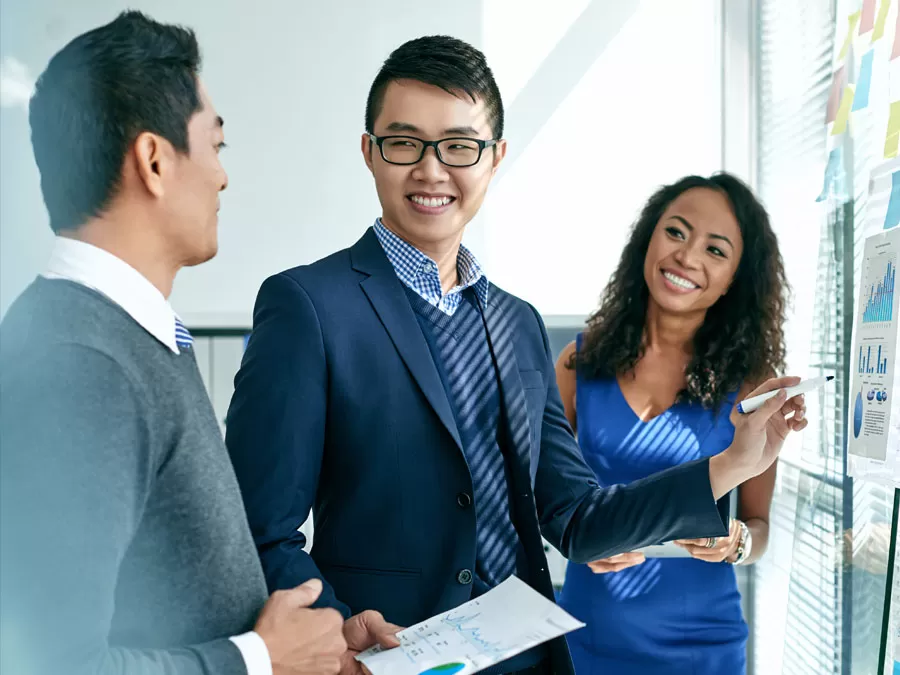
{"x": 749, "y": 405}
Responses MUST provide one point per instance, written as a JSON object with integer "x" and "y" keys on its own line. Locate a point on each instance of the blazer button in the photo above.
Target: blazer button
{"x": 464, "y": 499}
{"x": 464, "y": 577}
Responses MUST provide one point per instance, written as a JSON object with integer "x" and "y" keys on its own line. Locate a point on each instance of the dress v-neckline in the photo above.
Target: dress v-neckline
{"x": 632, "y": 411}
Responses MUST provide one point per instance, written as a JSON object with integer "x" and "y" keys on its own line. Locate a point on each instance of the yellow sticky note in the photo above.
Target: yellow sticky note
{"x": 881, "y": 20}
{"x": 852, "y": 20}
{"x": 840, "y": 120}
{"x": 892, "y": 140}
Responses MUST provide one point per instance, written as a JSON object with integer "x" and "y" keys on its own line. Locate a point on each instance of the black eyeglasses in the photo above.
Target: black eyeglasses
{"x": 456, "y": 152}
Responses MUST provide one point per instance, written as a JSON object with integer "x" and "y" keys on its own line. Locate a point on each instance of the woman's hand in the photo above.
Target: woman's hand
{"x": 616, "y": 563}
{"x": 723, "y": 548}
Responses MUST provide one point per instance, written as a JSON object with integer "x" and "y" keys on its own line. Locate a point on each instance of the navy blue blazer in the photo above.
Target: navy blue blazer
{"x": 339, "y": 408}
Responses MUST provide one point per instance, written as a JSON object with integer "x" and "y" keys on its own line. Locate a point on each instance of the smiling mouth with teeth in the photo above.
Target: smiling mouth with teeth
{"x": 680, "y": 282}
{"x": 431, "y": 202}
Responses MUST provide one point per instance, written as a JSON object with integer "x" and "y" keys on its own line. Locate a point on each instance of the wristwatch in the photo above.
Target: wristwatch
{"x": 744, "y": 544}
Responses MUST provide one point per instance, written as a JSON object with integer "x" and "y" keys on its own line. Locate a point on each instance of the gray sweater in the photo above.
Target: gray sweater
{"x": 124, "y": 546}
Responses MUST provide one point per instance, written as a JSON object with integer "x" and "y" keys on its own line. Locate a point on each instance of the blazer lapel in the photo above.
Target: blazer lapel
{"x": 385, "y": 292}
{"x": 500, "y": 328}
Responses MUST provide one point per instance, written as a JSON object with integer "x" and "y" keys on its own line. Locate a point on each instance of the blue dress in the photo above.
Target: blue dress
{"x": 673, "y": 616}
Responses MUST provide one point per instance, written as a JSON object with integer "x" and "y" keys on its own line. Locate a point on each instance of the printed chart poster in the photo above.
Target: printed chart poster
{"x": 874, "y": 442}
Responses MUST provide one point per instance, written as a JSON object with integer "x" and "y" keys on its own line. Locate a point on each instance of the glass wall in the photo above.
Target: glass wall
{"x": 829, "y": 551}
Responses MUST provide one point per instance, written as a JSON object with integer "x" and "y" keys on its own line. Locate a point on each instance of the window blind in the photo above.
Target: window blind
{"x": 820, "y": 591}
{"x": 798, "y": 627}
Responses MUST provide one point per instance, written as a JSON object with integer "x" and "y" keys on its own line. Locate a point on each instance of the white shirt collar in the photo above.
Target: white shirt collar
{"x": 105, "y": 273}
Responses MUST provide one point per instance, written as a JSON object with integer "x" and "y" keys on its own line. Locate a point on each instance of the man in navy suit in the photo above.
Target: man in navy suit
{"x": 412, "y": 404}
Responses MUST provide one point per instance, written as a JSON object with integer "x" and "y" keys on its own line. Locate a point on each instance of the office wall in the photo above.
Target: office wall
{"x": 604, "y": 102}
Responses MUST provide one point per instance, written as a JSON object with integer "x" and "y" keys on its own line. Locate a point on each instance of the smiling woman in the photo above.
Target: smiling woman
{"x": 691, "y": 260}
{"x": 707, "y": 239}
{"x": 690, "y": 322}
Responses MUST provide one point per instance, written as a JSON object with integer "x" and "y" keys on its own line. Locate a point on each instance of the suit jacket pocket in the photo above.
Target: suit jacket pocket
{"x": 376, "y": 571}
{"x": 393, "y": 592}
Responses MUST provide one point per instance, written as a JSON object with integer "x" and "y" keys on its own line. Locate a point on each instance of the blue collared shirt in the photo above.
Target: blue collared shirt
{"x": 420, "y": 273}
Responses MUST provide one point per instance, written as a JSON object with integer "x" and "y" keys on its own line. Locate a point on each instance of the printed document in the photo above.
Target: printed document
{"x": 503, "y": 622}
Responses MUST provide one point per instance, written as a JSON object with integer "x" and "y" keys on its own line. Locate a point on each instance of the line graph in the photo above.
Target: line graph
{"x": 468, "y": 628}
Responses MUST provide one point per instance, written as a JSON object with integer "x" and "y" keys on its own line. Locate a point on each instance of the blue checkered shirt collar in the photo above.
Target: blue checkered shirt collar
{"x": 420, "y": 273}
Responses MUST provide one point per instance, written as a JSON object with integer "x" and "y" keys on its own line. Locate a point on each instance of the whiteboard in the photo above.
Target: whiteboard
{"x": 282, "y": 72}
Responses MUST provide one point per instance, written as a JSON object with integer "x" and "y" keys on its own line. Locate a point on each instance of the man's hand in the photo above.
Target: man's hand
{"x": 302, "y": 641}
{"x": 363, "y": 631}
{"x": 616, "y": 563}
{"x": 758, "y": 437}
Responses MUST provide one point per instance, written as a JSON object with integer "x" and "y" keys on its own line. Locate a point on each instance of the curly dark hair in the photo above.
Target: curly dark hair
{"x": 742, "y": 336}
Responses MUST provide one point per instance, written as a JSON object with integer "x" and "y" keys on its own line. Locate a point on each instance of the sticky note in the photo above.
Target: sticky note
{"x": 840, "y": 120}
{"x": 867, "y": 20}
{"x": 852, "y": 20}
{"x": 892, "y": 138}
{"x": 892, "y": 219}
{"x": 834, "y": 97}
{"x": 895, "y": 52}
{"x": 834, "y": 176}
{"x": 864, "y": 81}
{"x": 880, "y": 22}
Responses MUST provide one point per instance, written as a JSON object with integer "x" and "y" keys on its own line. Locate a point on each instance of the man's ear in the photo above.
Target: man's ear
{"x": 499, "y": 151}
{"x": 368, "y": 151}
{"x": 153, "y": 156}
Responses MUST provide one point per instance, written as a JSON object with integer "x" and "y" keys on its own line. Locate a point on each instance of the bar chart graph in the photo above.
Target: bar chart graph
{"x": 879, "y": 292}
{"x": 873, "y": 359}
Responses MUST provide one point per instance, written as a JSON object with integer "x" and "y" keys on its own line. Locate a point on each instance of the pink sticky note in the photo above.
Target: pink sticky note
{"x": 834, "y": 98}
{"x": 867, "y": 21}
{"x": 895, "y": 52}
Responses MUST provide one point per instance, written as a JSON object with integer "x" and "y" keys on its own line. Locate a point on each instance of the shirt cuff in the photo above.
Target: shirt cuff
{"x": 255, "y": 653}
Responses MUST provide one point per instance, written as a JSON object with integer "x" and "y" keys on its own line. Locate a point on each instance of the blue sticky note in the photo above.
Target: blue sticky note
{"x": 893, "y": 211}
{"x": 864, "y": 81}
{"x": 834, "y": 176}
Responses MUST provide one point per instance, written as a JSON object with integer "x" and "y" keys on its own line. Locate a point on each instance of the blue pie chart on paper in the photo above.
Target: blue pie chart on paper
{"x": 857, "y": 415}
{"x": 446, "y": 669}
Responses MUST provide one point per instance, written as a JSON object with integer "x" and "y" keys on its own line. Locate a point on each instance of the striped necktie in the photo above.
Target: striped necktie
{"x": 182, "y": 337}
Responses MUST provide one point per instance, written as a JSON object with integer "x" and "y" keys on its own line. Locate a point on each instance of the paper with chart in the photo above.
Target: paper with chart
{"x": 874, "y": 415}
{"x": 503, "y": 622}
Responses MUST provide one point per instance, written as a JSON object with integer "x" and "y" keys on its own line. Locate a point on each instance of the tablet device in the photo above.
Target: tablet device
{"x": 670, "y": 550}
{"x": 667, "y": 550}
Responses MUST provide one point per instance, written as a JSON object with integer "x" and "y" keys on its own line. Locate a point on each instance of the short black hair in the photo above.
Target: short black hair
{"x": 98, "y": 93}
{"x": 446, "y": 62}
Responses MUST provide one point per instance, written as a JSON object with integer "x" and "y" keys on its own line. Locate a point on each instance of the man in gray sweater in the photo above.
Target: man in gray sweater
{"x": 124, "y": 546}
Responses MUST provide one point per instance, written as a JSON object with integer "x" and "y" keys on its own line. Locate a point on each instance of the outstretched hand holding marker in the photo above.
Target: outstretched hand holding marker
{"x": 758, "y": 435}
{"x": 748, "y": 405}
